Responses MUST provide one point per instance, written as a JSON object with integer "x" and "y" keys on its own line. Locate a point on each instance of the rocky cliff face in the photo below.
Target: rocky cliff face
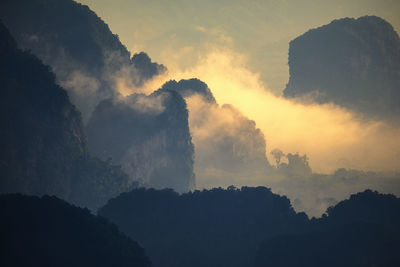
{"x": 85, "y": 55}
{"x": 149, "y": 136}
{"x": 41, "y": 130}
{"x": 228, "y": 146}
{"x": 191, "y": 87}
{"x": 354, "y": 63}
{"x": 44, "y": 149}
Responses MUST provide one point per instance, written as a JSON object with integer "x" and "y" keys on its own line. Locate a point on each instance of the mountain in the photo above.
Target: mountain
{"x": 47, "y": 231}
{"x": 145, "y": 68}
{"x": 44, "y": 149}
{"x": 149, "y": 136}
{"x": 228, "y": 145}
{"x": 360, "y": 231}
{"x": 203, "y": 228}
{"x": 87, "y": 58}
{"x": 91, "y": 63}
{"x": 354, "y": 63}
{"x": 190, "y": 87}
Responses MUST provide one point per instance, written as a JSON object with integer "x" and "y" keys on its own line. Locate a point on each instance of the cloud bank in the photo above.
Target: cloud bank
{"x": 331, "y": 137}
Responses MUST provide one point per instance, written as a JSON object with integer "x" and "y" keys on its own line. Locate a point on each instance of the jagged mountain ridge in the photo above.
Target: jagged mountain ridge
{"x": 228, "y": 145}
{"x": 149, "y": 136}
{"x": 190, "y": 87}
{"x": 44, "y": 148}
{"x": 85, "y": 55}
{"x": 88, "y": 59}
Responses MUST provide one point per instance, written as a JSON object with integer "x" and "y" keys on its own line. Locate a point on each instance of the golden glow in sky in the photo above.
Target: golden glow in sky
{"x": 331, "y": 136}
{"x": 239, "y": 48}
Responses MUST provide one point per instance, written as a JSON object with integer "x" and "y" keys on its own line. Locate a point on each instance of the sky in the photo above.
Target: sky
{"x": 261, "y": 30}
{"x": 240, "y": 49}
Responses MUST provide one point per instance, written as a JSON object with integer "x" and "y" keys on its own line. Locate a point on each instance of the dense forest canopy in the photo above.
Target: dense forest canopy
{"x": 226, "y": 227}
{"x": 215, "y": 227}
{"x": 360, "y": 231}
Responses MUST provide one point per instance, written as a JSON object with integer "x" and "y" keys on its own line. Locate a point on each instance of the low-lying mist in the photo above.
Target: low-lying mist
{"x": 249, "y": 120}
{"x": 331, "y": 136}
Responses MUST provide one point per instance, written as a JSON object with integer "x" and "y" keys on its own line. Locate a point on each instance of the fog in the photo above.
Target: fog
{"x": 234, "y": 137}
{"x": 331, "y": 136}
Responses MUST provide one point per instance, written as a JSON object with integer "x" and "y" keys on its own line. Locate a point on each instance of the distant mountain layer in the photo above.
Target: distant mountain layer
{"x": 148, "y": 136}
{"x": 43, "y": 145}
{"x": 354, "y": 63}
{"x": 50, "y": 232}
{"x": 85, "y": 55}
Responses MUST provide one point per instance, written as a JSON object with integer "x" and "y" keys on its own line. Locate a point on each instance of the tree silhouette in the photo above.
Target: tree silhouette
{"x": 277, "y": 154}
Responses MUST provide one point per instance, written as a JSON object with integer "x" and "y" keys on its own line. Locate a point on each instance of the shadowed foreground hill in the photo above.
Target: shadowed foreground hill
{"x": 209, "y": 228}
{"x": 254, "y": 226}
{"x": 43, "y": 145}
{"x": 361, "y": 231}
{"x": 354, "y": 63}
{"x": 49, "y": 232}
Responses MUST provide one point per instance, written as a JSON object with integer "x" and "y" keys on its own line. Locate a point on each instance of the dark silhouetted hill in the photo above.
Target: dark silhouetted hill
{"x": 203, "y": 228}
{"x": 360, "y": 231}
{"x": 354, "y": 63}
{"x": 43, "y": 145}
{"x": 82, "y": 51}
{"x": 368, "y": 206}
{"x": 47, "y": 231}
{"x": 149, "y": 136}
{"x": 347, "y": 245}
